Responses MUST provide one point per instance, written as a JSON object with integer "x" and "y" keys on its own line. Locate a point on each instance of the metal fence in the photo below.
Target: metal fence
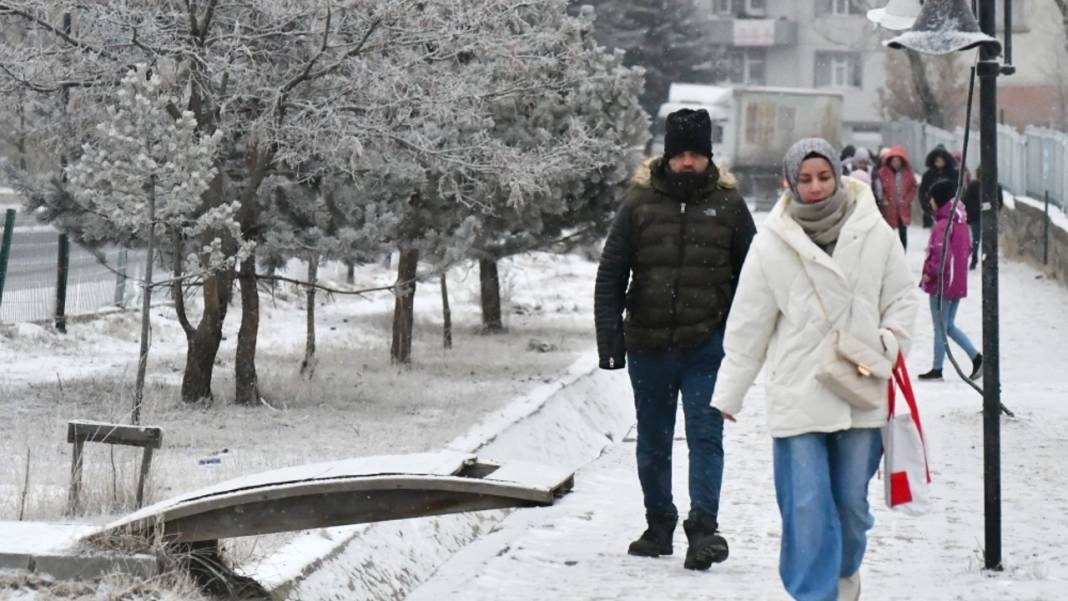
{"x": 1031, "y": 163}
{"x": 94, "y": 278}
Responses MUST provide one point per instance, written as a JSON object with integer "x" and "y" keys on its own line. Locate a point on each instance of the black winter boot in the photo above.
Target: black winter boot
{"x": 934, "y": 374}
{"x": 706, "y": 545}
{"x": 977, "y": 367}
{"x": 656, "y": 540}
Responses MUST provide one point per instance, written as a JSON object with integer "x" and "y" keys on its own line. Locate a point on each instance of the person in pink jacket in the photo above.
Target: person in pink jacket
{"x": 954, "y": 285}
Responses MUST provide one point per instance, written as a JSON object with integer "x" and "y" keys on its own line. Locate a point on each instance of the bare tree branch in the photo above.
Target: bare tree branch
{"x": 6, "y": 8}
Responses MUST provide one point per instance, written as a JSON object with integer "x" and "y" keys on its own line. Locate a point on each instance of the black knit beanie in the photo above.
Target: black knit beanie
{"x": 688, "y": 130}
{"x": 942, "y": 191}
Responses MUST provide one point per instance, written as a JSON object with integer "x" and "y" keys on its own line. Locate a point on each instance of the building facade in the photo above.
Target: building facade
{"x": 831, "y": 44}
{"x": 1037, "y": 93}
{"x": 825, "y": 44}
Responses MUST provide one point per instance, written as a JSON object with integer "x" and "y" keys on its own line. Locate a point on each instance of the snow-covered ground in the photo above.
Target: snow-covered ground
{"x": 577, "y": 548}
{"x": 356, "y": 405}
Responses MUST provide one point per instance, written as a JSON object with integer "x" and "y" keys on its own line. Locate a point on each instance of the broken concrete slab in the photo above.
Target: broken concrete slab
{"x": 54, "y": 549}
{"x": 90, "y": 566}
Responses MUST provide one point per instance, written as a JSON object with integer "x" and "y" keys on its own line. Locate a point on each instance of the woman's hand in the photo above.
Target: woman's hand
{"x": 727, "y": 416}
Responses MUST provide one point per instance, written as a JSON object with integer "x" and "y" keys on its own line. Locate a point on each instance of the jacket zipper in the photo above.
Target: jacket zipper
{"x": 678, "y": 274}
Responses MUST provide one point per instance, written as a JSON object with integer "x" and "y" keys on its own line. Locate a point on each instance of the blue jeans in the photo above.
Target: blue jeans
{"x": 821, "y": 484}
{"x": 949, "y": 314}
{"x": 657, "y": 379}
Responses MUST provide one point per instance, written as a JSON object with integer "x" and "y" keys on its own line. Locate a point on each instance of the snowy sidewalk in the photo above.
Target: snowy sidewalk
{"x": 576, "y": 550}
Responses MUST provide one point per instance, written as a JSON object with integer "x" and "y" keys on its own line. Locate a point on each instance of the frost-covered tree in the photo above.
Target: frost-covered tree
{"x": 435, "y": 178}
{"x": 141, "y": 175}
{"x": 600, "y": 100}
{"x": 286, "y": 80}
{"x": 307, "y": 223}
{"x": 671, "y": 39}
{"x": 926, "y": 89}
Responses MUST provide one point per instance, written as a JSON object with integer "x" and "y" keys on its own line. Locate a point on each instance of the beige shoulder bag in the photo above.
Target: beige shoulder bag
{"x": 851, "y": 369}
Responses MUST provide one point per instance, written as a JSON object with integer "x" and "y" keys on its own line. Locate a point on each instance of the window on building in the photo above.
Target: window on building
{"x": 724, "y": 7}
{"x": 839, "y": 8}
{"x": 748, "y": 66}
{"x": 838, "y": 70}
{"x": 756, "y": 8}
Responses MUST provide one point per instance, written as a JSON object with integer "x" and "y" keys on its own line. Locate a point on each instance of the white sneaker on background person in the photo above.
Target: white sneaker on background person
{"x": 849, "y": 588}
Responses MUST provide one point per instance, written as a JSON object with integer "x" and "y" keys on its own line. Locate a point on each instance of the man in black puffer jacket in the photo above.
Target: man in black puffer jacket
{"x": 679, "y": 240}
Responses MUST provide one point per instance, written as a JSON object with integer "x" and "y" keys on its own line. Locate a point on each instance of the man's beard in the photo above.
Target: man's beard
{"x": 687, "y": 183}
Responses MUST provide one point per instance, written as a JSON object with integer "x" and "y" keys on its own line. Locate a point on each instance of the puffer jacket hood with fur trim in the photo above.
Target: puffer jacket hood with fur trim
{"x": 642, "y": 177}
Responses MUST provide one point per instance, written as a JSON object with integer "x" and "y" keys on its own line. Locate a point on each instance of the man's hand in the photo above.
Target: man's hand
{"x": 727, "y": 416}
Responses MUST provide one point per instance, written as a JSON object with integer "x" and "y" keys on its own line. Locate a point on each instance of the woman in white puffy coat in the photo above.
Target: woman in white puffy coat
{"x": 825, "y": 265}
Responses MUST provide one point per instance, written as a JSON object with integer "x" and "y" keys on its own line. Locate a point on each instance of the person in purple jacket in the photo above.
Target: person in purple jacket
{"x": 955, "y": 276}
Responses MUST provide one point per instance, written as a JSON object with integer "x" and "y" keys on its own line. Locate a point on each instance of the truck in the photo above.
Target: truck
{"x": 753, "y": 126}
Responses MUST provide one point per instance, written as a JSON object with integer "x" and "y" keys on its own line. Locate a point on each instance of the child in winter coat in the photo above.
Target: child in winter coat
{"x": 954, "y": 286}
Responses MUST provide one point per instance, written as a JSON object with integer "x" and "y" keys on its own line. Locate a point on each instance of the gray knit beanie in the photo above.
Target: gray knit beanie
{"x": 800, "y": 151}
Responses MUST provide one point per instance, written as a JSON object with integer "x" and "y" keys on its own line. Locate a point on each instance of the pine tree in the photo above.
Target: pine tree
{"x": 670, "y": 39}
{"x": 596, "y": 105}
{"x": 142, "y": 174}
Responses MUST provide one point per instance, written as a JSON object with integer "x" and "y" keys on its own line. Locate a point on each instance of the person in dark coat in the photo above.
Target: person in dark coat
{"x": 973, "y": 205}
{"x": 846, "y": 158}
{"x": 664, "y": 286}
{"x": 940, "y": 164}
{"x": 958, "y": 155}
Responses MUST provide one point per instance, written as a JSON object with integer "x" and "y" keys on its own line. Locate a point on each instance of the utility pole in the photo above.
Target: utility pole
{"x": 988, "y": 70}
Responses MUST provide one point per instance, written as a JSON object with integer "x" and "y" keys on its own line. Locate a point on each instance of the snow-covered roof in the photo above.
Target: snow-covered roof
{"x": 792, "y": 91}
{"x": 692, "y": 93}
{"x": 715, "y": 112}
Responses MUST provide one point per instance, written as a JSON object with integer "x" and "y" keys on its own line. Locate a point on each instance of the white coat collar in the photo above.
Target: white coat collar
{"x": 829, "y": 272}
{"x": 864, "y": 217}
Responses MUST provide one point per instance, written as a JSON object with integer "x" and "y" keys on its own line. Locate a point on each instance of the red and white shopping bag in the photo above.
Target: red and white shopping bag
{"x": 905, "y": 469}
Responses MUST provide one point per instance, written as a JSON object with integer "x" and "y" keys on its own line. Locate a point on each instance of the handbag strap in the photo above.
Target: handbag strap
{"x": 901, "y": 377}
{"x": 816, "y": 291}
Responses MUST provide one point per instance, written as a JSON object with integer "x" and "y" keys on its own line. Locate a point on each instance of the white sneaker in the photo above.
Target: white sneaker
{"x": 849, "y": 588}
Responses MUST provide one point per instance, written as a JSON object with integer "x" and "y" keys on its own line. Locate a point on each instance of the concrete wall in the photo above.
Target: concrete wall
{"x": 1023, "y": 233}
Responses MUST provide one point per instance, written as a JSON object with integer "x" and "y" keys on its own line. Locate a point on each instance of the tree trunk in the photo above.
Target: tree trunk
{"x": 935, "y": 115}
{"x": 404, "y": 307}
{"x": 218, "y": 287}
{"x": 177, "y": 290}
{"x": 204, "y": 343}
{"x": 20, "y": 139}
{"x": 257, "y": 163}
{"x": 146, "y": 307}
{"x": 307, "y": 367}
{"x": 350, "y": 272}
{"x": 446, "y": 315}
{"x": 247, "y": 392}
{"x": 491, "y": 295}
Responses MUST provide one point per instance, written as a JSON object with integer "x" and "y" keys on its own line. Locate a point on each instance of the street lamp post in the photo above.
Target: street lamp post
{"x": 988, "y": 71}
{"x": 942, "y": 27}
